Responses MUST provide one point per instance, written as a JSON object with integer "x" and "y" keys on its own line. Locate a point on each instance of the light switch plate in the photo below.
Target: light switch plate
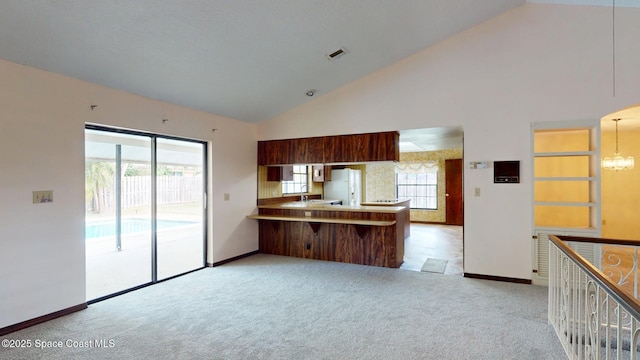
{"x": 478, "y": 165}
{"x": 42, "y": 196}
{"x": 226, "y": 196}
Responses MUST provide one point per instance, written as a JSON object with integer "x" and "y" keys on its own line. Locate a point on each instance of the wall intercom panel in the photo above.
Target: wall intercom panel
{"x": 506, "y": 172}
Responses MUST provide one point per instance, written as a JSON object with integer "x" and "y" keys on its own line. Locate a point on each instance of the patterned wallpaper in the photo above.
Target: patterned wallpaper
{"x": 381, "y": 181}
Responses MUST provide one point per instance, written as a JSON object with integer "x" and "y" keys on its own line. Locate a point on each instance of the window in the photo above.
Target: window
{"x": 418, "y": 182}
{"x": 300, "y": 182}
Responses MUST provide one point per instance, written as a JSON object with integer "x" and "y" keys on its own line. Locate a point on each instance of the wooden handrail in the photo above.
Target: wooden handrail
{"x": 600, "y": 240}
{"x": 628, "y": 302}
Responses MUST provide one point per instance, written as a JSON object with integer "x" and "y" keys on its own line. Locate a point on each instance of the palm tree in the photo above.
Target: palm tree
{"x": 98, "y": 176}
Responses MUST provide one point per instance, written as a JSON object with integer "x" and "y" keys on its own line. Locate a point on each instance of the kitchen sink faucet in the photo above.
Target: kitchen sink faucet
{"x": 302, "y": 196}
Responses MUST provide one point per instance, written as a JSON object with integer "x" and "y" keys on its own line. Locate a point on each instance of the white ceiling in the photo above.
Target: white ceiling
{"x": 245, "y": 59}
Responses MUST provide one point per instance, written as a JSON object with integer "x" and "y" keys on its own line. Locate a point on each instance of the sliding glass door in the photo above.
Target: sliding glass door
{"x": 117, "y": 228}
{"x": 144, "y": 209}
{"x": 180, "y": 230}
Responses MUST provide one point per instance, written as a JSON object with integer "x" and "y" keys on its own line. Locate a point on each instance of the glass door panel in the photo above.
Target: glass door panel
{"x": 180, "y": 206}
{"x": 562, "y": 191}
{"x": 117, "y": 212}
{"x": 562, "y": 166}
{"x": 575, "y": 217}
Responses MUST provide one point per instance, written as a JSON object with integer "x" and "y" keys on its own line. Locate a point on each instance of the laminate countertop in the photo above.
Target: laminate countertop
{"x": 320, "y": 206}
{"x": 390, "y": 202}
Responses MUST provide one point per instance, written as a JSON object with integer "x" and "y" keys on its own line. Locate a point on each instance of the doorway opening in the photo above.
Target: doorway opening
{"x": 145, "y": 209}
{"x": 434, "y": 155}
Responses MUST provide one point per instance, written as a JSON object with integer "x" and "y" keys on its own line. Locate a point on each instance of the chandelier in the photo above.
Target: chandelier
{"x": 618, "y": 162}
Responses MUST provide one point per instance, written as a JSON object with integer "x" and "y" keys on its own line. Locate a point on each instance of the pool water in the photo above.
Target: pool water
{"x": 129, "y": 226}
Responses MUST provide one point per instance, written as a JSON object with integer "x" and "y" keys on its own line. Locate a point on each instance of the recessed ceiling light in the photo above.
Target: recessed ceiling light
{"x": 311, "y": 92}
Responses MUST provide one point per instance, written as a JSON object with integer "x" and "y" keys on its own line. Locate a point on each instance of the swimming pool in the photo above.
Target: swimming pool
{"x": 108, "y": 228}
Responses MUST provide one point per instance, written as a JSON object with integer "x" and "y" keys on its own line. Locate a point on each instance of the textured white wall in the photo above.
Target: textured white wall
{"x": 42, "y": 117}
{"x": 535, "y": 63}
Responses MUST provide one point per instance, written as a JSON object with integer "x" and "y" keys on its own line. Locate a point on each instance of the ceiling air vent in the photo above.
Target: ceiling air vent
{"x": 337, "y": 54}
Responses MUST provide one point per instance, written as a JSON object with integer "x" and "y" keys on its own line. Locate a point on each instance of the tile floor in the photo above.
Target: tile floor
{"x": 435, "y": 241}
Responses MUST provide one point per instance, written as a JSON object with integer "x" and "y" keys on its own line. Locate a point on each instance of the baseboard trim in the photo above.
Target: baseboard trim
{"x": 222, "y": 262}
{"x": 428, "y": 222}
{"x": 41, "y": 319}
{"x": 497, "y": 278}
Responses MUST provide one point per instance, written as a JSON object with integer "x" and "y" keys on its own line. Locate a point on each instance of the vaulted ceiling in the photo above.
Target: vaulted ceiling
{"x": 245, "y": 59}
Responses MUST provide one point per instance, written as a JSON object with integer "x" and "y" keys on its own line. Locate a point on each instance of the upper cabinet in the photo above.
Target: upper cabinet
{"x": 331, "y": 149}
{"x": 306, "y": 151}
{"x": 291, "y": 151}
{"x": 362, "y": 147}
{"x": 280, "y": 173}
{"x": 275, "y": 152}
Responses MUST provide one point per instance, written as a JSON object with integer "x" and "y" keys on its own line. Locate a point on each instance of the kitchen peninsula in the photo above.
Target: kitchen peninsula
{"x": 367, "y": 235}
{"x": 394, "y": 202}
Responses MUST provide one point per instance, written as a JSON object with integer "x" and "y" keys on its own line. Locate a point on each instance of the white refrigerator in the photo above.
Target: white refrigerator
{"x": 345, "y": 185}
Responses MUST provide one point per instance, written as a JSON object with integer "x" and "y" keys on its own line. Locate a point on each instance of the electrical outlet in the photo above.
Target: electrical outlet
{"x": 476, "y": 191}
{"x": 226, "y": 196}
{"x": 307, "y": 213}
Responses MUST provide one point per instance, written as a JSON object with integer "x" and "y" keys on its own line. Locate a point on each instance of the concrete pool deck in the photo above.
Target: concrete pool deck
{"x": 180, "y": 249}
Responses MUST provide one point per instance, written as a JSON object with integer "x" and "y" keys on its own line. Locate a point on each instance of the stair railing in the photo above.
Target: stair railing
{"x": 595, "y": 311}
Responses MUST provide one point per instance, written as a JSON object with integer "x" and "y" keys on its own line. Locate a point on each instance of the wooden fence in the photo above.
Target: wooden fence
{"x": 136, "y": 191}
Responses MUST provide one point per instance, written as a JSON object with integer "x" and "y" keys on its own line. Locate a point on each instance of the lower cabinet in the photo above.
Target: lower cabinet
{"x": 349, "y": 243}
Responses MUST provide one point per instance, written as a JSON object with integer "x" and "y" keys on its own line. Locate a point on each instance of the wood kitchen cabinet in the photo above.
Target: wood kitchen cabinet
{"x": 280, "y": 173}
{"x": 274, "y": 152}
{"x": 290, "y": 151}
{"x": 362, "y": 147}
{"x": 330, "y": 149}
{"x": 306, "y": 151}
{"x": 357, "y": 235}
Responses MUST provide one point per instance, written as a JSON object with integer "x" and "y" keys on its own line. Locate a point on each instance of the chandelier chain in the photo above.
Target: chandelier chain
{"x": 613, "y": 46}
{"x": 616, "y": 120}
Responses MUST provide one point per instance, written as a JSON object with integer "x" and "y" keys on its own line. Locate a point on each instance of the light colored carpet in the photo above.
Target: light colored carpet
{"x": 434, "y": 265}
{"x": 273, "y": 307}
